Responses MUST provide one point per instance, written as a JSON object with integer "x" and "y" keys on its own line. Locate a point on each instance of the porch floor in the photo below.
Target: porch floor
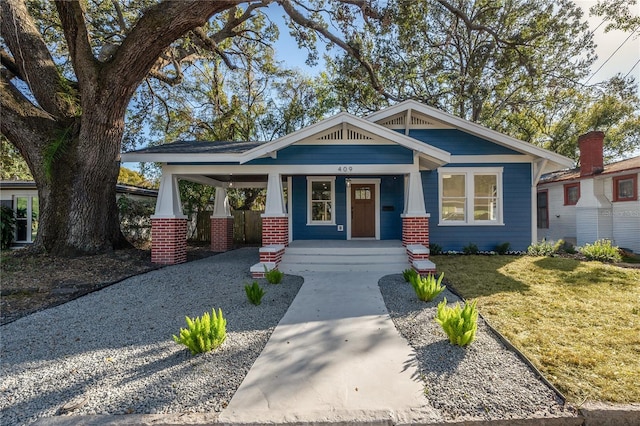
{"x": 356, "y": 244}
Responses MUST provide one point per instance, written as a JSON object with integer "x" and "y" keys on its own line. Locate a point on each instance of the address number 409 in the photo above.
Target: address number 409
{"x": 345, "y": 169}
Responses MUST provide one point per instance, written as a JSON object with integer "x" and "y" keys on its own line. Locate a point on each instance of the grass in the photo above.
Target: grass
{"x": 578, "y": 322}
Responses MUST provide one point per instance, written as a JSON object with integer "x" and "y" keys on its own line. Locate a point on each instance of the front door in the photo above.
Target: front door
{"x": 363, "y": 210}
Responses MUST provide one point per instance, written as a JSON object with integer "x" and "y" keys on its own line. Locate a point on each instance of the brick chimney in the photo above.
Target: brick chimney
{"x": 591, "y": 159}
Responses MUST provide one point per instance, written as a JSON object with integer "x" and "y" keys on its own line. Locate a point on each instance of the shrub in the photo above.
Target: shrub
{"x": 459, "y": 324}
{"x": 503, "y": 248}
{"x": 435, "y": 249}
{"x": 601, "y": 250}
{"x": 204, "y": 333}
{"x": 254, "y": 293}
{"x": 7, "y": 227}
{"x": 427, "y": 288}
{"x": 561, "y": 246}
{"x": 541, "y": 248}
{"x": 273, "y": 276}
{"x": 409, "y": 274}
{"x": 470, "y": 249}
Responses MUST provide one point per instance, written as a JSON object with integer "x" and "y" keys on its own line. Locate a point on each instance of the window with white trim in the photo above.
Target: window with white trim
{"x": 321, "y": 196}
{"x": 470, "y": 196}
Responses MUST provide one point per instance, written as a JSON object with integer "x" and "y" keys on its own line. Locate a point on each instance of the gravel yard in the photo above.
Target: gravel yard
{"x": 483, "y": 381}
{"x": 111, "y": 351}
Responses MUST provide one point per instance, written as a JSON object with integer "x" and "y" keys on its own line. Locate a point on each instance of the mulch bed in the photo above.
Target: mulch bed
{"x": 31, "y": 282}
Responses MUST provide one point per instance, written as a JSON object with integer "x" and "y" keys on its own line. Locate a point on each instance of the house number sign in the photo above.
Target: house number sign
{"x": 345, "y": 169}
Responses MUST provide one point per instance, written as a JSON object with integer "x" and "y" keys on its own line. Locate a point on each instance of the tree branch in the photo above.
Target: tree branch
{"x": 10, "y": 64}
{"x": 75, "y": 31}
{"x": 32, "y": 58}
{"x": 354, "y": 52}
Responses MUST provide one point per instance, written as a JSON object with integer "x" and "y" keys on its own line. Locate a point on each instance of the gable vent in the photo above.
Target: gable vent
{"x": 333, "y": 136}
{"x": 344, "y": 133}
{"x": 421, "y": 121}
{"x": 394, "y": 121}
{"x": 355, "y": 135}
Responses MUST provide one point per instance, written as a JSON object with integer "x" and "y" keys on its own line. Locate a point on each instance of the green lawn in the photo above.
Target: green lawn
{"x": 578, "y": 322}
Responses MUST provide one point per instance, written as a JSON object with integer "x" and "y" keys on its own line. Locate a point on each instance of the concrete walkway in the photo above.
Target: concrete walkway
{"x": 334, "y": 357}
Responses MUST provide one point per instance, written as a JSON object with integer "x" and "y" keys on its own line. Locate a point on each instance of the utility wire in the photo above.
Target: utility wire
{"x": 610, "y": 56}
{"x": 634, "y": 65}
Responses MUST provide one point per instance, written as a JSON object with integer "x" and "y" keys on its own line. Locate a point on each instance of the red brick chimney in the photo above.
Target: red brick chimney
{"x": 591, "y": 159}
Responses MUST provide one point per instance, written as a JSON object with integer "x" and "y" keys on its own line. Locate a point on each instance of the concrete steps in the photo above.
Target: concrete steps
{"x": 342, "y": 259}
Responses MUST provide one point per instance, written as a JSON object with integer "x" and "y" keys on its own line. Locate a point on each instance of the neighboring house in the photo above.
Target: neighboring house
{"x": 22, "y": 197}
{"x": 409, "y": 172}
{"x": 592, "y": 202}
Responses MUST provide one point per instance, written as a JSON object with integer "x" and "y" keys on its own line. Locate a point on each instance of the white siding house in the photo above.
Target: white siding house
{"x": 595, "y": 201}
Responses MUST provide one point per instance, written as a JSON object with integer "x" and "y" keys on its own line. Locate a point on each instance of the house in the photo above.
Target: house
{"x": 409, "y": 173}
{"x": 22, "y": 197}
{"x": 592, "y": 202}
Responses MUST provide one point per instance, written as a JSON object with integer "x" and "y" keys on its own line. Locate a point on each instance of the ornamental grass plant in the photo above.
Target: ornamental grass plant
{"x": 203, "y": 333}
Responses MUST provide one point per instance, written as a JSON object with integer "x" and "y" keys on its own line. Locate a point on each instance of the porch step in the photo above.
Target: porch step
{"x": 341, "y": 259}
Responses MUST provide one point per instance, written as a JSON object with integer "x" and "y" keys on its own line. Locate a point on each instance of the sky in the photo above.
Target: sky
{"x": 620, "y": 61}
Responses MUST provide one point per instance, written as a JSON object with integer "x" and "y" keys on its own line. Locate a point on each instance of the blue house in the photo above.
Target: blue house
{"x": 409, "y": 173}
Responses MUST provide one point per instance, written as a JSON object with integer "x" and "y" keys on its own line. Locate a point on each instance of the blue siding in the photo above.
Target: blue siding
{"x": 391, "y": 195}
{"x": 516, "y": 183}
{"x": 459, "y": 143}
{"x": 338, "y": 154}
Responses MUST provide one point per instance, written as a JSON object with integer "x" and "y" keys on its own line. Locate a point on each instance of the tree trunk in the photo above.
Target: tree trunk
{"x": 79, "y": 213}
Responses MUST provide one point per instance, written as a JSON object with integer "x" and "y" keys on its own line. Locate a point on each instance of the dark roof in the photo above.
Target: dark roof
{"x": 201, "y": 147}
{"x": 120, "y": 188}
{"x": 618, "y": 166}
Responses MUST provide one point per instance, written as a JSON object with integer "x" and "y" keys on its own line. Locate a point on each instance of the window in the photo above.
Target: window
{"x": 543, "y": 209}
{"x": 470, "y": 196}
{"x": 625, "y": 188}
{"x": 321, "y": 201}
{"x": 27, "y": 211}
{"x": 571, "y": 194}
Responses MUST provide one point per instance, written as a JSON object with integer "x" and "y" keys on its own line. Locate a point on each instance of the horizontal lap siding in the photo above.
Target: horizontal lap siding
{"x": 340, "y": 154}
{"x": 516, "y": 212}
{"x": 459, "y": 143}
{"x": 391, "y": 195}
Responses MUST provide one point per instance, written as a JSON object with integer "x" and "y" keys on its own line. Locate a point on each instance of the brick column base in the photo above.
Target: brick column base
{"x": 221, "y": 233}
{"x": 168, "y": 241}
{"x": 275, "y": 230}
{"x": 415, "y": 230}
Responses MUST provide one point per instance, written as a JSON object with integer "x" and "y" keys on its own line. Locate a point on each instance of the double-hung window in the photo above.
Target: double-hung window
{"x": 321, "y": 196}
{"x": 470, "y": 196}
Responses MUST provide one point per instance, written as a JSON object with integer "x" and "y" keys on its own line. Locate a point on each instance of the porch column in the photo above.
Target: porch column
{"x": 275, "y": 228}
{"x": 415, "y": 226}
{"x": 221, "y": 223}
{"x": 168, "y": 225}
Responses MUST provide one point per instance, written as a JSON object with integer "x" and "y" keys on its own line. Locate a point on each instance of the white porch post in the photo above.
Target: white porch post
{"x": 168, "y": 224}
{"x": 415, "y": 196}
{"x": 275, "y": 227}
{"x": 168, "y": 205}
{"x": 221, "y": 222}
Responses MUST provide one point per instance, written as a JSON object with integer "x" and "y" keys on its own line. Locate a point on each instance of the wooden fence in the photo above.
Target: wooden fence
{"x": 247, "y": 227}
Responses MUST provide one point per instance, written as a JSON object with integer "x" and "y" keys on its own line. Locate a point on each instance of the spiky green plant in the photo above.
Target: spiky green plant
{"x": 409, "y": 274}
{"x": 254, "y": 293}
{"x": 427, "y": 288}
{"x": 460, "y": 324}
{"x": 203, "y": 333}
{"x": 273, "y": 276}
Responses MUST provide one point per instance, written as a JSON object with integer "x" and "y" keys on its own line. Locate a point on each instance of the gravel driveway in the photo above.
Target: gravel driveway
{"x": 112, "y": 350}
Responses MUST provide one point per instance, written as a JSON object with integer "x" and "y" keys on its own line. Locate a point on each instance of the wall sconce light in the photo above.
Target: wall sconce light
{"x": 348, "y": 182}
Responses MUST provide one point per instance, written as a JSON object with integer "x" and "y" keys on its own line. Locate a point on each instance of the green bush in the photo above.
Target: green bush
{"x": 204, "y": 333}
{"x": 254, "y": 293}
{"x": 601, "y": 250}
{"x": 435, "y": 249}
{"x": 7, "y": 227}
{"x": 470, "y": 249}
{"x": 561, "y": 246}
{"x": 409, "y": 274}
{"x": 273, "y": 276}
{"x": 459, "y": 324}
{"x": 427, "y": 288}
{"x": 541, "y": 248}
{"x": 502, "y": 248}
